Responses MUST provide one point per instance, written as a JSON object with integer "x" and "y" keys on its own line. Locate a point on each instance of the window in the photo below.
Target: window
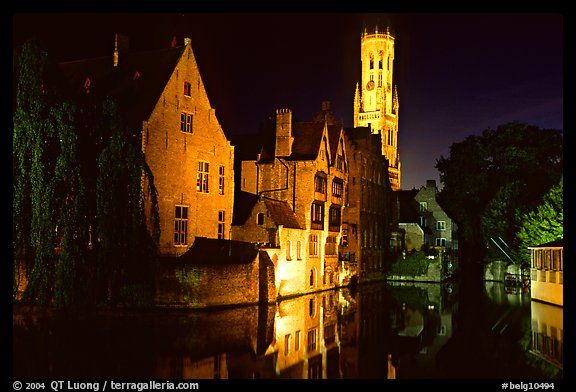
{"x": 260, "y": 219}
{"x": 202, "y": 177}
{"x": 423, "y": 206}
{"x": 181, "y": 225}
{"x": 340, "y": 163}
{"x": 312, "y": 340}
{"x": 331, "y": 246}
{"x": 186, "y": 122}
{"x": 299, "y": 250}
{"x": 380, "y": 78}
{"x": 371, "y": 61}
{"x": 317, "y": 213}
{"x": 221, "y": 180}
{"x": 320, "y": 184}
{"x": 221, "y": 224}
{"x": 337, "y": 187}
{"x": 441, "y": 225}
{"x": 297, "y": 341}
{"x": 440, "y": 241}
{"x": 423, "y": 221}
{"x": 312, "y": 277}
{"x": 287, "y": 344}
{"x": 334, "y": 216}
{"x": 288, "y": 250}
{"x": 313, "y": 245}
{"x": 187, "y": 89}
{"x": 312, "y": 307}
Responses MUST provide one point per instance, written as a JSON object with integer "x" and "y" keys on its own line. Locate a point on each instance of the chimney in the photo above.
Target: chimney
{"x": 120, "y": 46}
{"x": 284, "y": 138}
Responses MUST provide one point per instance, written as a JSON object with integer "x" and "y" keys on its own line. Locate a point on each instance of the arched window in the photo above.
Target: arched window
{"x": 260, "y": 218}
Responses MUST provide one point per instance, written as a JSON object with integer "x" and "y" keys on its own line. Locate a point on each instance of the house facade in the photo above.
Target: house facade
{"x": 367, "y": 218}
{"x": 162, "y": 98}
{"x": 439, "y": 229}
{"x": 304, "y": 166}
{"x": 547, "y": 272}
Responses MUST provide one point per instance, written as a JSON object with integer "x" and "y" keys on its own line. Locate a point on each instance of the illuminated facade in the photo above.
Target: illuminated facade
{"x": 376, "y": 100}
{"x": 547, "y": 272}
{"x": 302, "y": 164}
{"x": 162, "y": 98}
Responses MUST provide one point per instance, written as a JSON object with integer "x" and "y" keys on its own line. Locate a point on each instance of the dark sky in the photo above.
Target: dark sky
{"x": 456, "y": 74}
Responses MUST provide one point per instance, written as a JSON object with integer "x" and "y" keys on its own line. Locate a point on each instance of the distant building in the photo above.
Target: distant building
{"x": 376, "y": 102}
{"x": 439, "y": 229}
{"x": 163, "y": 99}
{"x": 547, "y": 272}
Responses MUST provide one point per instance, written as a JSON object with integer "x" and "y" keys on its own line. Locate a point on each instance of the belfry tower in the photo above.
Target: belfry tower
{"x": 375, "y": 101}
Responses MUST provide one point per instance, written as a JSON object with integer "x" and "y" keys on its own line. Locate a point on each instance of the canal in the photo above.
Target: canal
{"x": 347, "y": 333}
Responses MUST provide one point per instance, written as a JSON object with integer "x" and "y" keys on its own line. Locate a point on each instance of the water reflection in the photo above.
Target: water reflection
{"x": 333, "y": 334}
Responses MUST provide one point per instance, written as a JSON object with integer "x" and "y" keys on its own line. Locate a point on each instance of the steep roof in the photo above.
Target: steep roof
{"x": 137, "y": 82}
{"x": 333, "y": 139}
{"x": 307, "y": 139}
{"x": 282, "y": 214}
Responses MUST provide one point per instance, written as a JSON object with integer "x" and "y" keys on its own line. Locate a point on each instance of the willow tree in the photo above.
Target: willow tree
{"x": 127, "y": 247}
{"x": 33, "y": 156}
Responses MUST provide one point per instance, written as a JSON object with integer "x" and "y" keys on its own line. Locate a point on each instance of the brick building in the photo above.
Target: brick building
{"x": 163, "y": 99}
{"x": 367, "y": 219}
{"x": 304, "y": 166}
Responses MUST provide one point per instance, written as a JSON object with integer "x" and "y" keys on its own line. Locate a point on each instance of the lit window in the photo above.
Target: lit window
{"x": 202, "y": 177}
{"x": 221, "y": 180}
{"x": 313, "y": 245}
{"x": 337, "y": 187}
{"x": 288, "y": 250}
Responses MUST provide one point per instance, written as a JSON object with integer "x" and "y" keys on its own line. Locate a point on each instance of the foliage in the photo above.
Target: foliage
{"x": 65, "y": 171}
{"x": 488, "y": 178}
{"x": 127, "y": 252}
{"x": 543, "y": 224}
{"x": 415, "y": 264}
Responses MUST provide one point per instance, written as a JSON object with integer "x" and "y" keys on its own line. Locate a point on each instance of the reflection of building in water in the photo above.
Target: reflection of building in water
{"x": 425, "y": 320}
{"x": 306, "y": 343}
{"x": 548, "y": 332}
{"x": 187, "y": 368}
{"x": 547, "y": 272}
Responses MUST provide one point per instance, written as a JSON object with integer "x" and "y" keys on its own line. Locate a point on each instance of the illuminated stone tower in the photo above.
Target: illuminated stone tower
{"x": 375, "y": 102}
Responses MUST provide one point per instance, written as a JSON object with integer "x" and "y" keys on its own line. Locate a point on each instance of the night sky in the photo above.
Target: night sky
{"x": 456, "y": 74}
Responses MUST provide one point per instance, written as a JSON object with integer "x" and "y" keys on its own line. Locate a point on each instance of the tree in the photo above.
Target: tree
{"x": 488, "y": 178}
{"x": 76, "y": 186}
{"x": 543, "y": 224}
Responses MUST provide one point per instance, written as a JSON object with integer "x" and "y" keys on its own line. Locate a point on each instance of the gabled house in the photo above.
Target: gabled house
{"x": 439, "y": 229}
{"x": 304, "y": 165}
{"x": 163, "y": 100}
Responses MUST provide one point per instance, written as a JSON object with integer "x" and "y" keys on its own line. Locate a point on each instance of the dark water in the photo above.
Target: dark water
{"x": 427, "y": 329}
